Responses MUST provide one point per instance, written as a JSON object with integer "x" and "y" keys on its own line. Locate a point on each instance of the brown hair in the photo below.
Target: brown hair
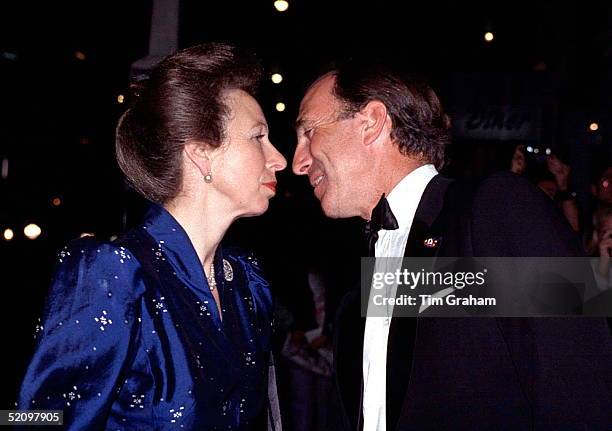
{"x": 182, "y": 100}
{"x": 420, "y": 126}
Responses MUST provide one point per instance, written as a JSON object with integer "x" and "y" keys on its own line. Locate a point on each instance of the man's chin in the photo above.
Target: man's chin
{"x": 331, "y": 209}
{"x": 327, "y": 209}
{"x": 331, "y": 214}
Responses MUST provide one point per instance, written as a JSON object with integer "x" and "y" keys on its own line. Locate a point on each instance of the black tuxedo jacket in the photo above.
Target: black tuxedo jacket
{"x": 482, "y": 373}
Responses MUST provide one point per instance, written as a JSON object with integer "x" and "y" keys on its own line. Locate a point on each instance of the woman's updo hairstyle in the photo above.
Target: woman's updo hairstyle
{"x": 182, "y": 100}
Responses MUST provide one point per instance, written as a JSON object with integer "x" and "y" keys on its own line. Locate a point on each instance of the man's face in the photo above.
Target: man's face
{"x": 329, "y": 152}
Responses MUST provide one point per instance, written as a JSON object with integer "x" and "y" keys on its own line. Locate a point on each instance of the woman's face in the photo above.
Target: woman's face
{"x": 244, "y": 166}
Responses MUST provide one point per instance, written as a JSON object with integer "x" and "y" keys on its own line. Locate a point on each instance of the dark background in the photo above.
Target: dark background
{"x": 59, "y": 112}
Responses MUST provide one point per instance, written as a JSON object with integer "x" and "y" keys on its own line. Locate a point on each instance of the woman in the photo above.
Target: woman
{"x": 164, "y": 328}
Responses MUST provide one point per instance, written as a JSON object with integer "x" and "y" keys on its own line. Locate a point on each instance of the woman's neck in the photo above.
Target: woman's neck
{"x": 204, "y": 223}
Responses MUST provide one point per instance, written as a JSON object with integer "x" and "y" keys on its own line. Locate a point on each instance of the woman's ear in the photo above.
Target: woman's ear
{"x": 375, "y": 120}
{"x": 199, "y": 154}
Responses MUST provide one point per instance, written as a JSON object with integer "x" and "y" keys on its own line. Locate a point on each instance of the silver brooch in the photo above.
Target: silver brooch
{"x": 431, "y": 242}
{"x": 228, "y": 272}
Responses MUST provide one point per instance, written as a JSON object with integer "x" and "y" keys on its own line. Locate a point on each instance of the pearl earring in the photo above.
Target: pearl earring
{"x": 208, "y": 177}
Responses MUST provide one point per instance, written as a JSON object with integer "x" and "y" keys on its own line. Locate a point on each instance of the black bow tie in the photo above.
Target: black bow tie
{"x": 382, "y": 218}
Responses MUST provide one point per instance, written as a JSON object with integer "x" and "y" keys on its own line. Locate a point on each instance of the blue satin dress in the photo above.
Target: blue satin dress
{"x": 131, "y": 338}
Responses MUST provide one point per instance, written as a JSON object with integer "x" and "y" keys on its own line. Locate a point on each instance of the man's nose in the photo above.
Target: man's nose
{"x": 301, "y": 160}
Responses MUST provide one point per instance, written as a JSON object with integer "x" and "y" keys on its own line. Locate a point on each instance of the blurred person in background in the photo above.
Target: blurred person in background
{"x": 308, "y": 355}
{"x": 553, "y": 178}
{"x": 601, "y": 247}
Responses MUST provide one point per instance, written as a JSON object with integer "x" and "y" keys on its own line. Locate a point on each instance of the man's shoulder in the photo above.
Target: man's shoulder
{"x": 449, "y": 193}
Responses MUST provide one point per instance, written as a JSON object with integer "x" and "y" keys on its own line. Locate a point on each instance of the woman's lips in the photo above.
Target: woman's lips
{"x": 271, "y": 185}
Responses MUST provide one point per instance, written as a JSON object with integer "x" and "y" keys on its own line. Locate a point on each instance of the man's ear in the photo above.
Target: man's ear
{"x": 375, "y": 121}
{"x": 199, "y": 154}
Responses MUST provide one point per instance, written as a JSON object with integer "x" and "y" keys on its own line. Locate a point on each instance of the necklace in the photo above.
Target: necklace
{"x": 212, "y": 283}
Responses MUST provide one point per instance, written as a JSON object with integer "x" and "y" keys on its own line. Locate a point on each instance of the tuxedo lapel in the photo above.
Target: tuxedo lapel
{"x": 425, "y": 237}
{"x": 424, "y": 240}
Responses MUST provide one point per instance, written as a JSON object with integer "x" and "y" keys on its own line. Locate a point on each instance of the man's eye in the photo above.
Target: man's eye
{"x": 308, "y": 133}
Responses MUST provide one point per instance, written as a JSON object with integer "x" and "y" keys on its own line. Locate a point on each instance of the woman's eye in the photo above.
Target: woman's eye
{"x": 260, "y": 137}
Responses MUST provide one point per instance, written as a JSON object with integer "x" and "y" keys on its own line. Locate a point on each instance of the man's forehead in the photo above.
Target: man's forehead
{"x": 319, "y": 99}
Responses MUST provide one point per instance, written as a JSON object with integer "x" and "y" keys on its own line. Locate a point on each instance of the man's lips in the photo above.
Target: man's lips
{"x": 317, "y": 180}
{"x": 271, "y": 185}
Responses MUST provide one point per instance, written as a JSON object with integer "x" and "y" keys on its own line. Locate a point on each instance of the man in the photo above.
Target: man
{"x": 364, "y": 133}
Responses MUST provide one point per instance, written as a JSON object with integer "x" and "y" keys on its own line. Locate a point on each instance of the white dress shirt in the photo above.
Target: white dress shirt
{"x": 403, "y": 200}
